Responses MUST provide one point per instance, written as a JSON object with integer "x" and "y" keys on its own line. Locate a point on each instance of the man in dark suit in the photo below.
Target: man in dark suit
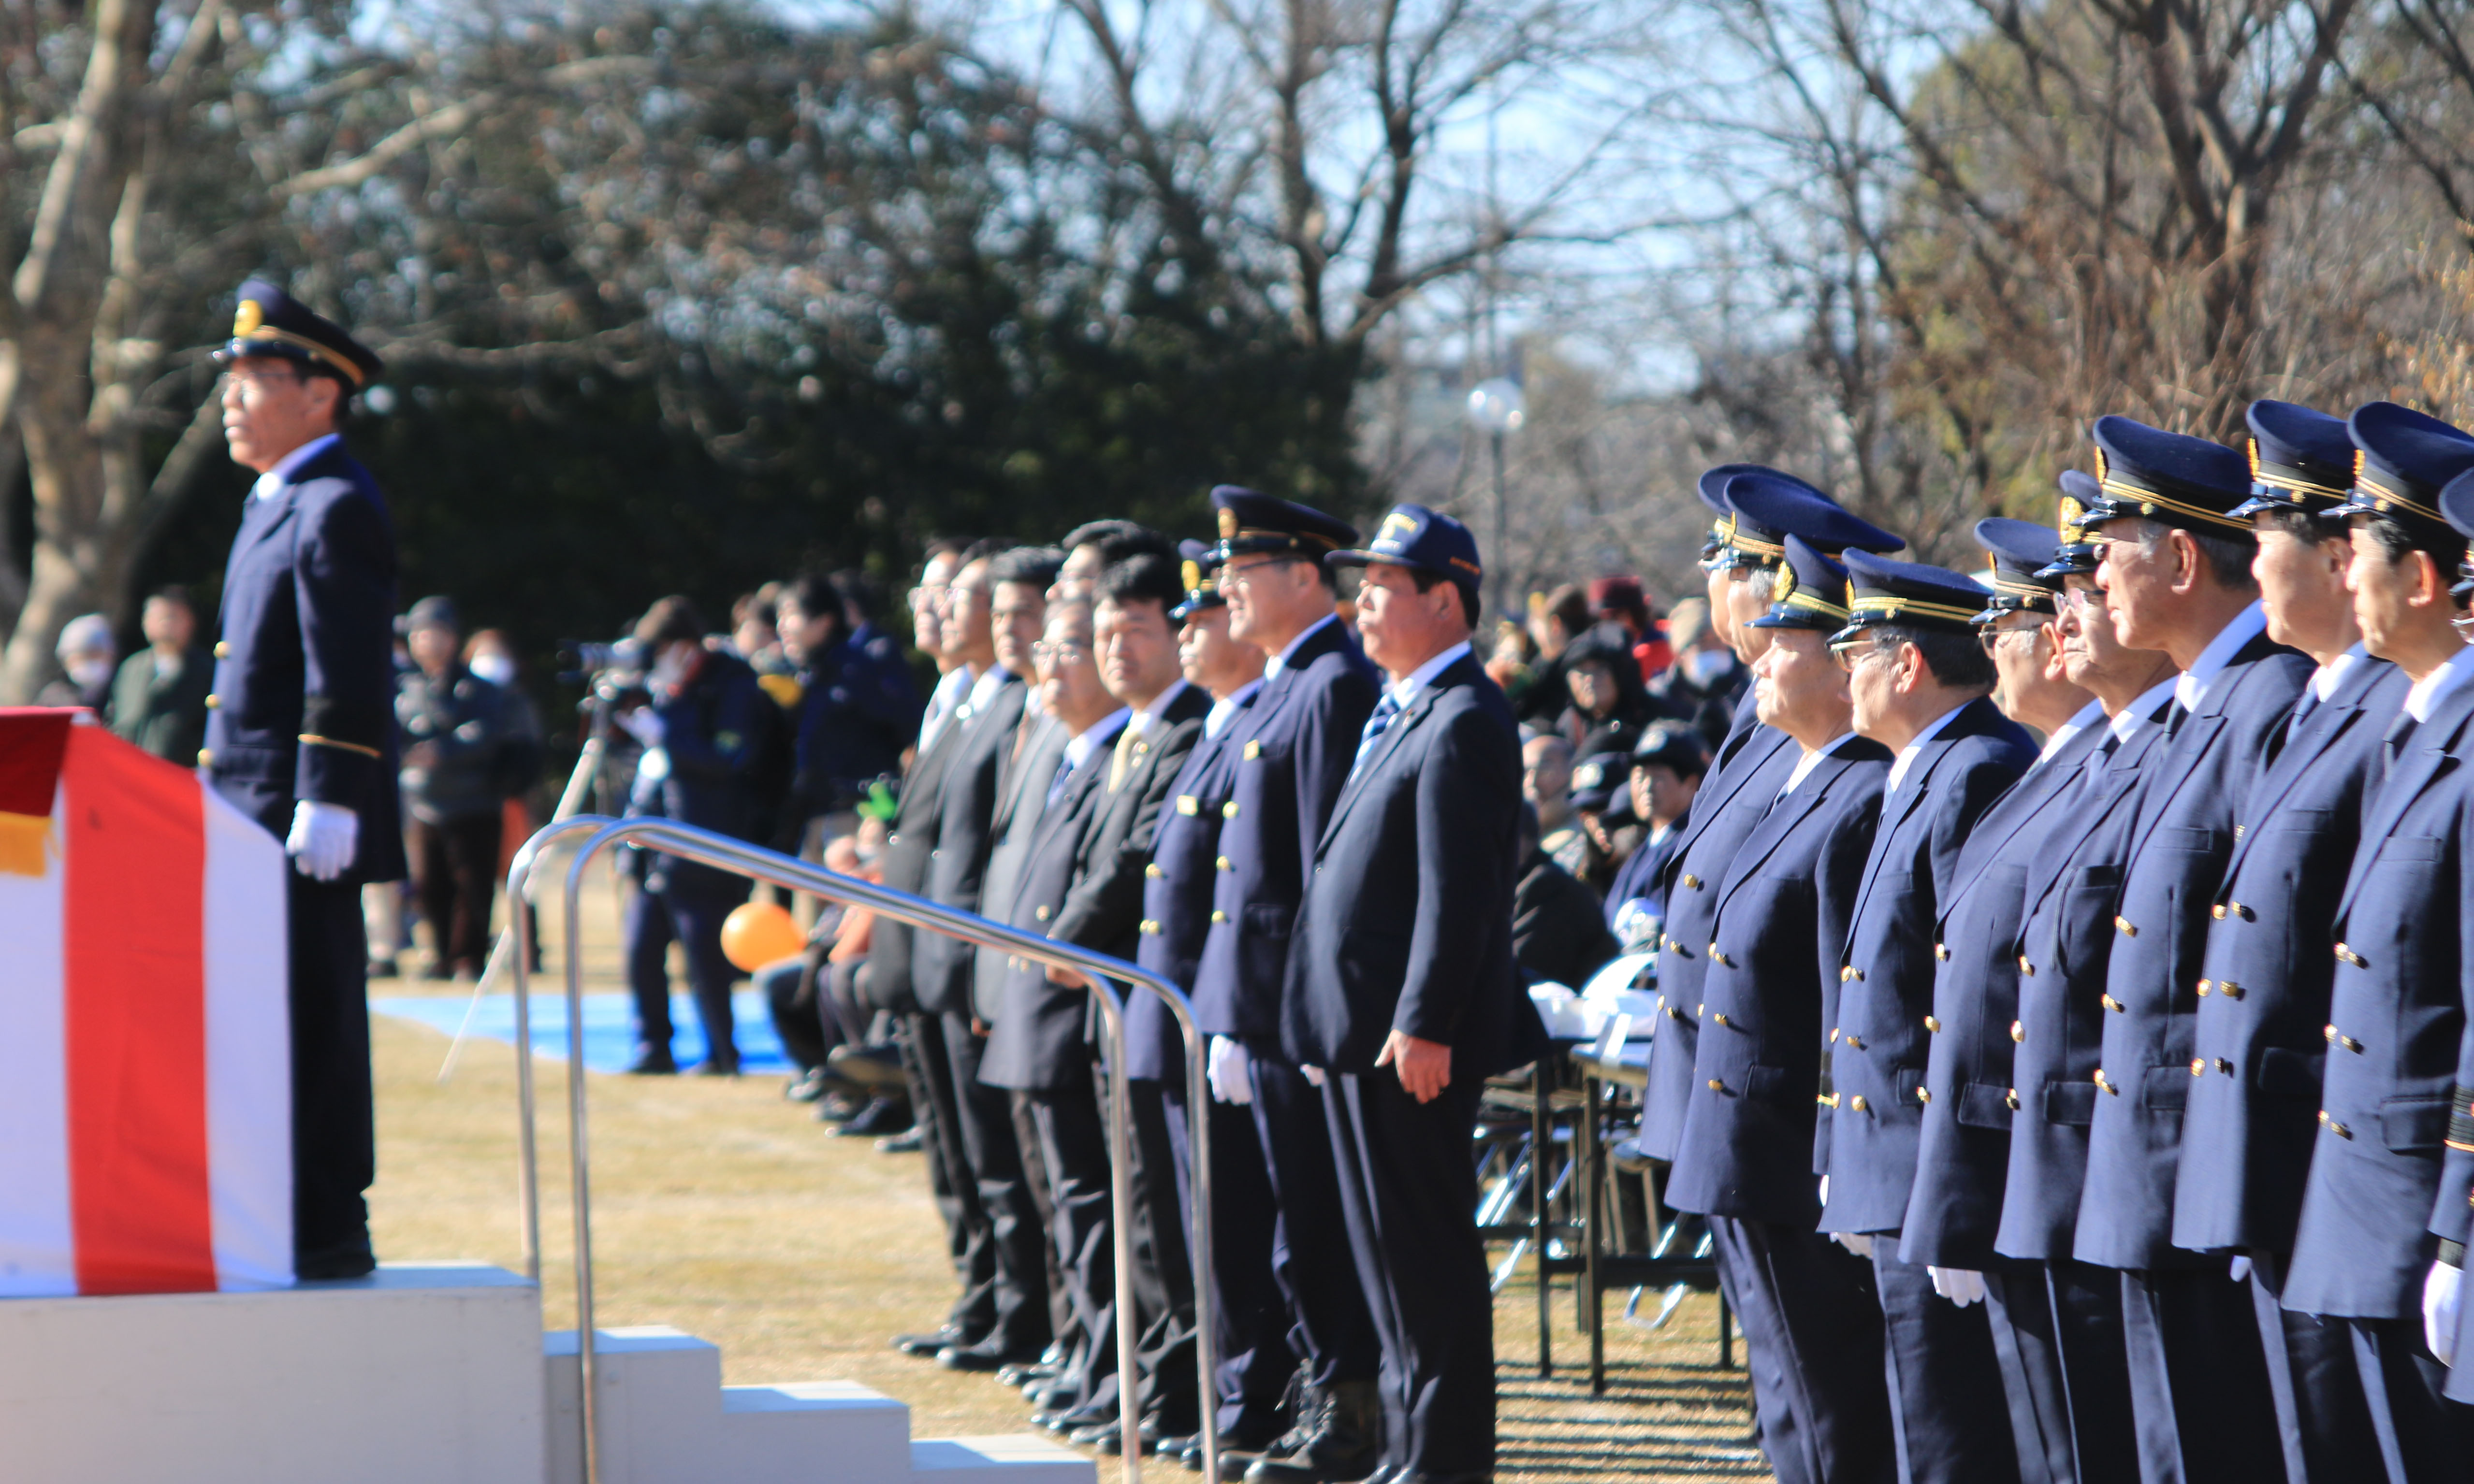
{"x": 2258, "y": 1052}
{"x": 158, "y": 699}
{"x": 1762, "y": 507}
{"x": 1963, "y": 1141}
{"x": 2363, "y": 1249}
{"x": 1250, "y": 1334}
{"x": 1922, "y": 684}
{"x": 1811, "y": 1320}
{"x": 300, "y": 732}
{"x": 1040, "y": 1044}
{"x": 2175, "y": 571}
{"x": 1293, "y": 748}
{"x": 2062, "y": 948}
{"x": 1403, "y": 990}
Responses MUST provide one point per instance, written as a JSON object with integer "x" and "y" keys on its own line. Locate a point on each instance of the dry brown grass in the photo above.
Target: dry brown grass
{"x": 723, "y": 1210}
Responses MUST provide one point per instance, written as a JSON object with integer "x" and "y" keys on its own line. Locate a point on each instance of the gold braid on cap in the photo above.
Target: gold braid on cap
{"x": 2292, "y": 482}
{"x": 1784, "y": 592}
{"x": 2068, "y": 526}
{"x": 1752, "y": 545}
{"x": 250, "y": 324}
{"x": 2150, "y": 501}
{"x": 1890, "y": 606}
{"x": 2384, "y": 497}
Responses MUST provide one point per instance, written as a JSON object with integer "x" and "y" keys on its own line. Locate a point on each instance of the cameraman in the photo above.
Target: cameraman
{"x": 702, "y": 727}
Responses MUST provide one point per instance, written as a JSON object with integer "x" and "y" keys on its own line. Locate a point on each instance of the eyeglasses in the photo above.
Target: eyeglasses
{"x": 1239, "y": 576}
{"x": 1060, "y": 654}
{"x": 1991, "y": 638}
{"x": 258, "y": 380}
{"x": 1856, "y": 652}
{"x": 2083, "y": 600}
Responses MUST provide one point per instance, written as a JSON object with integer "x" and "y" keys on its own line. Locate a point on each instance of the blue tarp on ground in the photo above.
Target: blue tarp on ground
{"x": 608, "y": 1026}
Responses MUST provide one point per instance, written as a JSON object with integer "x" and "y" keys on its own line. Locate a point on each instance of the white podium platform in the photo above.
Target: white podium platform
{"x": 432, "y": 1373}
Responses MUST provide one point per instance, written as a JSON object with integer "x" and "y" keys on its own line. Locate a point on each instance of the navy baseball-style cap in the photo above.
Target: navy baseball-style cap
{"x": 1412, "y": 535}
{"x": 1908, "y": 594}
{"x": 269, "y": 322}
{"x": 1596, "y": 781}
{"x": 2020, "y": 552}
{"x": 2402, "y": 459}
{"x": 2074, "y": 555}
{"x": 1770, "y": 507}
{"x": 1674, "y": 745}
{"x": 2171, "y": 478}
{"x": 2301, "y": 460}
{"x": 1252, "y": 522}
{"x": 1809, "y": 593}
{"x": 1202, "y": 567}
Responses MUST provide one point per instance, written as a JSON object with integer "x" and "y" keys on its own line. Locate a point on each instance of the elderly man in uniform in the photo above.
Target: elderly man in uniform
{"x": 1401, "y": 987}
{"x": 1922, "y": 685}
{"x": 1812, "y": 1327}
{"x": 2176, "y": 574}
{"x": 2362, "y": 1249}
{"x": 300, "y": 732}
{"x": 1293, "y": 747}
{"x": 2448, "y": 1330}
{"x": 2247, "y": 1131}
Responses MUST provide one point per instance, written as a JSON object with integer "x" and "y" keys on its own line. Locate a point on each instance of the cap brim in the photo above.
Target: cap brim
{"x": 1774, "y": 619}
{"x": 1372, "y": 559}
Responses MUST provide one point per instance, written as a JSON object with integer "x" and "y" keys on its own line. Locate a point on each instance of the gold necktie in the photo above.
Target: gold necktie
{"x": 1122, "y": 759}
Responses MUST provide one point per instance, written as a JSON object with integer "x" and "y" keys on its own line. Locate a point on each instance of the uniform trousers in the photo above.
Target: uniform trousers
{"x": 1163, "y": 1268}
{"x": 455, "y": 872}
{"x": 1067, "y": 1337}
{"x": 2033, "y": 1381}
{"x": 1812, "y": 1335}
{"x": 2321, "y": 1413}
{"x": 1329, "y": 1326}
{"x": 2200, "y": 1393}
{"x": 1018, "y": 1267}
{"x": 2419, "y": 1436}
{"x": 1249, "y": 1318}
{"x": 686, "y": 908}
{"x": 1408, "y": 1189}
{"x": 1948, "y": 1411}
{"x": 951, "y": 1180}
{"x": 2084, "y": 1316}
{"x": 1074, "y": 1145}
{"x": 334, "y": 1129}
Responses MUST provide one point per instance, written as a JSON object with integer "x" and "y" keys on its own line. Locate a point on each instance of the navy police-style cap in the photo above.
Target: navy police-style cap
{"x": 1596, "y": 781}
{"x": 2301, "y": 460}
{"x": 1412, "y": 535}
{"x": 2402, "y": 459}
{"x": 1711, "y": 487}
{"x": 2074, "y": 555}
{"x": 1201, "y": 566}
{"x": 2171, "y": 478}
{"x": 2020, "y": 552}
{"x": 1770, "y": 507}
{"x": 2456, "y": 503}
{"x": 1252, "y": 522}
{"x": 1672, "y": 745}
{"x": 270, "y": 321}
{"x": 1908, "y": 594}
{"x": 1809, "y": 592}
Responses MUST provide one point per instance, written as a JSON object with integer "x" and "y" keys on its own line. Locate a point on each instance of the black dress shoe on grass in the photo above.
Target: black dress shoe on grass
{"x": 927, "y": 1346}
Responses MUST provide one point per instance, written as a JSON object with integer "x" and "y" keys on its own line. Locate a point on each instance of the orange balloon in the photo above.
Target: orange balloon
{"x": 761, "y": 933}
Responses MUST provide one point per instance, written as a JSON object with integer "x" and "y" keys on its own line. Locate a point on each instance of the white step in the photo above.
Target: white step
{"x": 418, "y": 1374}
{"x": 666, "y": 1417}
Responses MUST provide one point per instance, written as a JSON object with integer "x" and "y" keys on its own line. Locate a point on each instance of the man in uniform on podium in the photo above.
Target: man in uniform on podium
{"x": 300, "y": 729}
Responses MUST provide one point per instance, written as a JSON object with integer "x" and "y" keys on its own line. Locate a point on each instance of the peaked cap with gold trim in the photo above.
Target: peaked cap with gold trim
{"x": 2301, "y": 460}
{"x": 2073, "y": 554}
{"x": 1252, "y": 522}
{"x": 2020, "y": 551}
{"x": 1201, "y": 579}
{"x": 1908, "y": 594}
{"x": 269, "y": 322}
{"x": 2402, "y": 460}
{"x": 2171, "y": 478}
{"x": 1811, "y": 592}
{"x": 1770, "y": 507}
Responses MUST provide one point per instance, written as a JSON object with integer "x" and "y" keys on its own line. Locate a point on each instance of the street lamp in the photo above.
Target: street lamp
{"x": 1495, "y": 407}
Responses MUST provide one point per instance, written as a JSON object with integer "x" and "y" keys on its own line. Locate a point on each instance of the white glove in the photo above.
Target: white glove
{"x": 1636, "y": 927}
{"x": 1959, "y": 1286}
{"x": 2441, "y": 1293}
{"x": 323, "y": 838}
{"x": 1227, "y": 1067}
{"x": 1855, "y": 1242}
{"x": 645, "y": 725}
{"x": 1315, "y": 1075}
{"x": 2239, "y": 1270}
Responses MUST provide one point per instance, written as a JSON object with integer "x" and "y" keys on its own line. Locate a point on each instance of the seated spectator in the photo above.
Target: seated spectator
{"x": 1558, "y": 932}
{"x": 1556, "y": 622}
{"x": 1618, "y": 602}
{"x": 1546, "y": 785}
{"x": 1667, "y": 766}
{"x": 1609, "y": 706}
{"x": 158, "y": 700}
{"x": 1602, "y": 835}
{"x": 1509, "y": 663}
{"x": 1706, "y": 681}
{"x": 87, "y": 654}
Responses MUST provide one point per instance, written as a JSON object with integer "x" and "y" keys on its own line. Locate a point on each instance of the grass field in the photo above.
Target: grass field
{"x": 725, "y": 1210}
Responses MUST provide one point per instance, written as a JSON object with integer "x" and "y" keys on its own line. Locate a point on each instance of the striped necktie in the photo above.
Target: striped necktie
{"x": 1385, "y": 710}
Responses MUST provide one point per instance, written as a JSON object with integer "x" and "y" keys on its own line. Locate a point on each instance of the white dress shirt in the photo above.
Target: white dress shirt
{"x": 278, "y": 477}
{"x": 2430, "y": 690}
{"x": 2191, "y": 687}
{"x": 1216, "y": 719}
{"x": 1272, "y": 666}
{"x": 1908, "y": 754}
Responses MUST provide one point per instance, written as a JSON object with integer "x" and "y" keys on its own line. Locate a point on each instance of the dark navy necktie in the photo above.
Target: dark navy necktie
{"x": 1385, "y": 710}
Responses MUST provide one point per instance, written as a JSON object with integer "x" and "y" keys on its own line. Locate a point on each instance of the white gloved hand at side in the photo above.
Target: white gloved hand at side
{"x": 645, "y": 725}
{"x": 1228, "y": 1066}
{"x": 322, "y": 839}
{"x": 1855, "y": 1242}
{"x": 1962, "y": 1286}
{"x": 2239, "y": 1270}
{"x": 2443, "y": 1292}
{"x": 1315, "y": 1075}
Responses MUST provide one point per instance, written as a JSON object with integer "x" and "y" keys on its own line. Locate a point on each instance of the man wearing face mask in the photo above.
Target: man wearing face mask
{"x": 456, "y": 726}
{"x": 700, "y": 731}
{"x": 86, "y": 655}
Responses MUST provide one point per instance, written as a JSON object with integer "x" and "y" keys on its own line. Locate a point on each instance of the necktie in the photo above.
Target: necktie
{"x": 1384, "y": 711}
{"x": 2309, "y": 704}
{"x": 1064, "y": 771}
{"x": 1121, "y": 757}
{"x": 2400, "y": 731}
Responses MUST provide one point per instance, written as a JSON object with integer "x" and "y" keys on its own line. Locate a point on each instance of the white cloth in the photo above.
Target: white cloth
{"x": 2432, "y": 688}
{"x": 2191, "y": 687}
{"x": 1907, "y": 753}
{"x": 1811, "y": 760}
{"x": 2142, "y": 711}
{"x": 2087, "y": 716}
{"x": 1227, "y": 1067}
{"x": 278, "y": 477}
{"x": 1216, "y": 719}
{"x": 2239, "y": 1269}
{"x": 2443, "y": 1292}
{"x": 948, "y": 694}
{"x": 1280, "y": 661}
{"x": 323, "y": 838}
{"x": 1860, "y": 1245}
{"x": 1962, "y": 1286}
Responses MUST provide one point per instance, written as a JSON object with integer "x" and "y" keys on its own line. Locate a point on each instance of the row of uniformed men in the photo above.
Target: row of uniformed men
{"x": 2133, "y": 1067}
{"x": 1282, "y": 781}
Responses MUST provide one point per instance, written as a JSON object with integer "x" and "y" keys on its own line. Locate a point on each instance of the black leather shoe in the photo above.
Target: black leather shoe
{"x": 908, "y": 1141}
{"x": 1415, "y": 1477}
{"x": 1023, "y": 1373}
{"x": 982, "y": 1357}
{"x": 885, "y": 1116}
{"x": 1343, "y": 1440}
{"x": 927, "y": 1346}
{"x": 868, "y": 1066}
{"x": 1105, "y": 1438}
{"x": 807, "y": 1087}
{"x": 840, "y": 1108}
{"x": 335, "y": 1266}
{"x": 653, "y": 1063}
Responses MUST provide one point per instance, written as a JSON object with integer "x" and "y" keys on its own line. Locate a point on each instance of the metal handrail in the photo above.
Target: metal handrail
{"x": 707, "y": 848}
{"x": 520, "y": 915}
